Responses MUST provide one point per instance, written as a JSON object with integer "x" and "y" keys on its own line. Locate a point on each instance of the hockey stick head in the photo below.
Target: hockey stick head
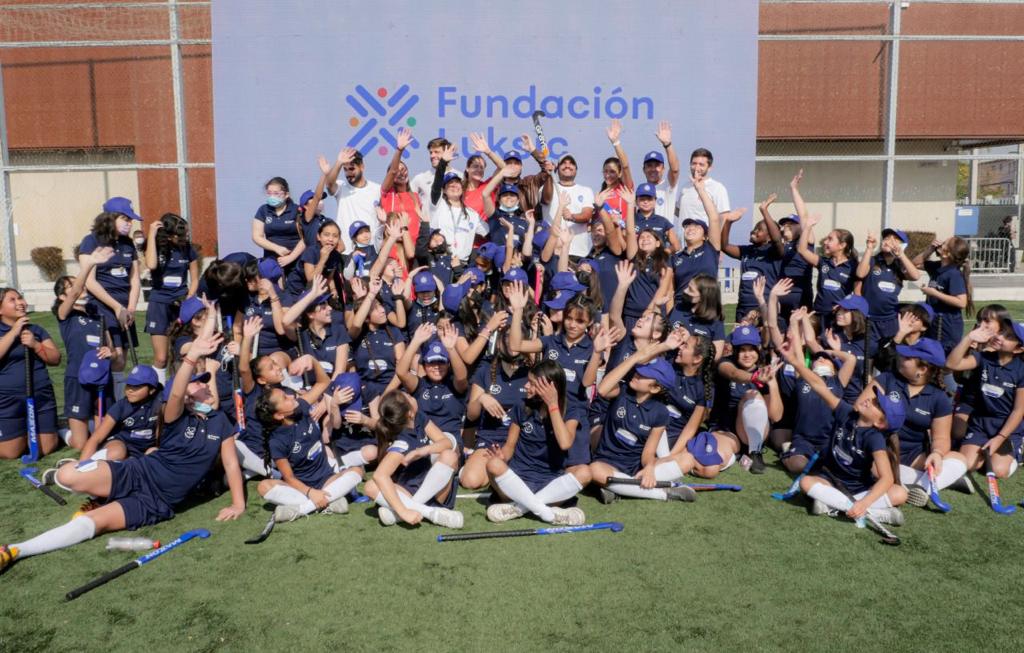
{"x": 538, "y": 114}
{"x": 29, "y": 474}
{"x": 617, "y": 526}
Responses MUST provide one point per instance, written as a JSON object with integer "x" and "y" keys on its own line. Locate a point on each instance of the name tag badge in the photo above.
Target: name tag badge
{"x": 626, "y": 437}
{"x": 993, "y": 391}
{"x": 886, "y": 286}
{"x": 831, "y": 284}
{"x": 570, "y": 375}
{"x": 172, "y": 282}
{"x": 92, "y": 341}
{"x": 750, "y": 275}
{"x": 119, "y": 271}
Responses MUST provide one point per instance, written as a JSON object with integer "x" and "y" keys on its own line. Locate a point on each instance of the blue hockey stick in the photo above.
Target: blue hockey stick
{"x": 613, "y": 526}
{"x": 994, "y": 499}
{"x": 138, "y": 562}
{"x": 794, "y": 487}
{"x": 934, "y": 492}
{"x": 697, "y": 487}
{"x": 30, "y": 411}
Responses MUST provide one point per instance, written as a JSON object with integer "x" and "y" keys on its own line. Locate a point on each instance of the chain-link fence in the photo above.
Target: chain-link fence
{"x": 903, "y": 114}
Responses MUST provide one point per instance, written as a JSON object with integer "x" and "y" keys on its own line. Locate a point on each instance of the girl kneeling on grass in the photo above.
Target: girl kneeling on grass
{"x": 529, "y": 469}
{"x": 997, "y": 386}
{"x": 633, "y": 427}
{"x": 414, "y": 478}
{"x": 145, "y": 490}
{"x": 129, "y": 428}
{"x": 857, "y": 458}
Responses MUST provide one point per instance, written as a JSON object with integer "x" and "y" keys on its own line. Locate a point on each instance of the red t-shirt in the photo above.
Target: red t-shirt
{"x": 474, "y": 199}
{"x": 398, "y": 202}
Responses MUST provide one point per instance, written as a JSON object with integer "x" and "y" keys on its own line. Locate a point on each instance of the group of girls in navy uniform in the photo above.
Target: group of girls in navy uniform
{"x": 454, "y": 331}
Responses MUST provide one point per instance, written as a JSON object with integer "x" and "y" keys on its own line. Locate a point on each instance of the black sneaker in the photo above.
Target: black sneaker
{"x": 756, "y": 462}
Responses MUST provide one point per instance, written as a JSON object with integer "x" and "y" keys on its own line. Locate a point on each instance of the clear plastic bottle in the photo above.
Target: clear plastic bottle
{"x": 132, "y": 544}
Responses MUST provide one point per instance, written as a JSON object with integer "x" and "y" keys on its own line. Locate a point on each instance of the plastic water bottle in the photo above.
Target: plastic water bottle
{"x": 132, "y": 544}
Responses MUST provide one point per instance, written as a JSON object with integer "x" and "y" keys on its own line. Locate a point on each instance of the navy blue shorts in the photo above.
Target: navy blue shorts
{"x": 484, "y": 439}
{"x": 597, "y": 412}
{"x": 412, "y": 483}
{"x": 535, "y": 478}
{"x": 160, "y": 316}
{"x": 579, "y": 452}
{"x": 13, "y": 421}
{"x": 348, "y": 443}
{"x": 138, "y": 497}
{"x": 853, "y": 487}
{"x": 136, "y": 448}
{"x": 625, "y": 465}
{"x": 800, "y": 446}
{"x": 908, "y": 452}
{"x": 80, "y": 401}
{"x": 982, "y": 429}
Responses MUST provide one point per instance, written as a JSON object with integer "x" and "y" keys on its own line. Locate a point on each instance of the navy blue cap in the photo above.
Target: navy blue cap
{"x": 893, "y": 407}
{"x": 792, "y": 217}
{"x": 927, "y": 309}
{"x": 270, "y": 269}
{"x": 508, "y": 188}
{"x": 560, "y": 300}
{"x": 700, "y": 223}
{"x": 928, "y": 350}
{"x": 854, "y": 303}
{"x": 352, "y": 381}
{"x": 434, "y": 352}
{"x": 355, "y": 227}
{"x": 658, "y": 369}
{"x": 322, "y": 299}
{"x": 566, "y": 281}
{"x": 654, "y": 155}
{"x": 516, "y": 274}
{"x": 196, "y": 378}
{"x": 308, "y": 195}
{"x": 704, "y": 448}
{"x": 241, "y": 258}
{"x": 745, "y": 335}
{"x": 94, "y": 370}
{"x": 121, "y": 205}
{"x": 477, "y": 275}
{"x": 488, "y": 250}
{"x": 452, "y": 296}
{"x": 513, "y": 155}
{"x": 450, "y": 176}
{"x": 540, "y": 238}
{"x": 1018, "y": 329}
{"x": 646, "y": 190}
{"x": 142, "y": 375}
{"x": 589, "y": 262}
{"x": 899, "y": 233}
{"x": 189, "y": 308}
{"x": 424, "y": 282}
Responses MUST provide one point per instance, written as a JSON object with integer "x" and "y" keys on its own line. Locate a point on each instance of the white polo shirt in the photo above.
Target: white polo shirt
{"x": 459, "y": 230}
{"x": 421, "y": 183}
{"x": 356, "y": 204}
{"x": 690, "y": 205}
{"x": 580, "y": 197}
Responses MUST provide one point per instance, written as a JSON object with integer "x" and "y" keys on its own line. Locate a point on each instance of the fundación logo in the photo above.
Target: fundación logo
{"x": 379, "y": 115}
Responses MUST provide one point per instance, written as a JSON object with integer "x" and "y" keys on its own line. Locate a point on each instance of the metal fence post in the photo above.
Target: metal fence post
{"x": 7, "y": 217}
{"x": 892, "y": 105}
{"x": 179, "y": 111}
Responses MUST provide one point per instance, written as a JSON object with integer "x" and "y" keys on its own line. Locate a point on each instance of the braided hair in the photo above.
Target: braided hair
{"x": 265, "y": 411}
{"x": 705, "y": 348}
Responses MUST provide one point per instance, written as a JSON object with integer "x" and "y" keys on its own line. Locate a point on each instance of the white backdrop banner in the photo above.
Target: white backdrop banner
{"x": 295, "y": 80}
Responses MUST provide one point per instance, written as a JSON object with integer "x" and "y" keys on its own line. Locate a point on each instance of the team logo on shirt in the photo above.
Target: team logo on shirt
{"x": 895, "y": 397}
{"x": 129, "y": 422}
{"x": 296, "y": 447}
{"x": 579, "y": 198}
{"x": 824, "y": 268}
{"x": 877, "y": 271}
{"x": 372, "y": 109}
{"x": 268, "y": 219}
{"x": 553, "y": 355}
{"x": 190, "y": 432}
{"x": 528, "y": 427}
{"x": 426, "y": 395}
{"x": 495, "y": 389}
{"x": 621, "y": 412}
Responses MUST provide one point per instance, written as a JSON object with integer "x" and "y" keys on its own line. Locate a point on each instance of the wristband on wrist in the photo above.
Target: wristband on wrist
{"x": 190, "y": 361}
{"x": 553, "y": 409}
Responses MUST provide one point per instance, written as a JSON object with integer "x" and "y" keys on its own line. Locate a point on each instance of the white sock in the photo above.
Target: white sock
{"x": 101, "y": 454}
{"x": 342, "y": 485}
{"x": 561, "y": 489}
{"x": 668, "y": 471}
{"x": 77, "y": 530}
{"x": 286, "y": 495}
{"x": 161, "y": 375}
{"x": 292, "y": 382}
{"x": 65, "y": 436}
{"x": 663, "y": 449}
{"x": 830, "y": 496}
{"x": 514, "y": 488}
{"x": 250, "y": 461}
{"x": 909, "y": 475}
{"x": 755, "y": 422}
{"x": 953, "y": 470}
{"x": 428, "y": 513}
{"x": 354, "y": 459}
{"x": 1013, "y": 468}
{"x": 635, "y": 490}
{"x": 438, "y": 476}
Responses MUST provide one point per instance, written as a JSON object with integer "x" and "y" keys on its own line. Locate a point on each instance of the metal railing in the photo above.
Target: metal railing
{"x": 991, "y": 255}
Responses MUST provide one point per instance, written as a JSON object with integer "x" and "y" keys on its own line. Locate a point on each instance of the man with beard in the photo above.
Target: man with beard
{"x": 358, "y": 198}
{"x": 422, "y": 182}
{"x": 573, "y": 204}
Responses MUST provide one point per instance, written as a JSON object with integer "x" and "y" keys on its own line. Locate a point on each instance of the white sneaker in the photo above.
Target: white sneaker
{"x": 683, "y": 493}
{"x": 448, "y": 518}
{"x": 387, "y": 516}
{"x": 568, "y": 517}
{"x": 917, "y": 496}
{"x": 962, "y": 484}
{"x": 890, "y": 516}
{"x": 286, "y": 513}
{"x": 503, "y": 512}
{"x": 337, "y": 507}
{"x": 819, "y": 507}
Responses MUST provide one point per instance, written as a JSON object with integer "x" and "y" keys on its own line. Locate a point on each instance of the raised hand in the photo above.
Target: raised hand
{"x": 346, "y": 155}
{"x": 812, "y": 220}
{"x": 870, "y": 241}
{"x": 833, "y": 340}
{"x": 981, "y": 334}
{"x": 423, "y": 333}
{"x": 448, "y": 334}
{"x": 324, "y": 165}
{"x": 376, "y": 283}
{"x": 448, "y": 153}
{"x": 101, "y": 255}
{"x": 518, "y": 296}
{"x": 734, "y": 215}
{"x": 403, "y": 138}
{"x": 768, "y": 201}
{"x": 496, "y": 321}
{"x": 205, "y": 345}
{"x": 479, "y": 143}
{"x": 625, "y": 273}
{"x": 614, "y": 130}
{"x": 527, "y": 142}
{"x": 759, "y": 284}
{"x": 797, "y": 178}
{"x": 664, "y": 133}
{"x": 547, "y": 391}
{"x": 252, "y": 327}
{"x": 782, "y": 287}
{"x": 676, "y": 338}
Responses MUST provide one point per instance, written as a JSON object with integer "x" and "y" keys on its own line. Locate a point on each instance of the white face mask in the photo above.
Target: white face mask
{"x": 823, "y": 370}
{"x": 202, "y": 409}
{"x": 139, "y": 242}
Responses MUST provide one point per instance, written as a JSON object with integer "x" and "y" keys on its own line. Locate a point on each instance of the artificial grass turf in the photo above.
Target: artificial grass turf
{"x": 733, "y": 571}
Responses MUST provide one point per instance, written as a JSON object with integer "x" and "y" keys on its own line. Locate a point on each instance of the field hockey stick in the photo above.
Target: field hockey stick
{"x": 30, "y": 410}
{"x": 794, "y": 487}
{"x": 888, "y": 537}
{"x": 933, "y": 492}
{"x": 101, "y": 394}
{"x": 236, "y": 384}
{"x": 307, "y": 377}
{"x": 265, "y": 533}
{"x": 131, "y": 346}
{"x": 538, "y": 129}
{"x": 29, "y": 474}
{"x": 613, "y": 526}
{"x": 135, "y": 564}
{"x": 699, "y": 487}
{"x": 994, "y": 499}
